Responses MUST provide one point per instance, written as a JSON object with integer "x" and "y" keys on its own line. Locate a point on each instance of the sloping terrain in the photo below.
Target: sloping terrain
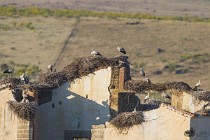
{"x": 39, "y": 41}
{"x": 33, "y": 41}
{"x": 199, "y": 8}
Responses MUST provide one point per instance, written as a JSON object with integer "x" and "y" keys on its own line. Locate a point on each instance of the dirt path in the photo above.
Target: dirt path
{"x": 66, "y": 42}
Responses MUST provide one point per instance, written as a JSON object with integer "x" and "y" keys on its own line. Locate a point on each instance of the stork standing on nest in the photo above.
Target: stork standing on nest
{"x": 121, "y": 50}
{"x": 146, "y": 98}
{"x": 197, "y": 85}
{"x": 135, "y": 108}
{"x": 142, "y": 72}
{"x": 165, "y": 96}
{"x": 9, "y": 71}
{"x": 205, "y": 105}
{"x": 50, "y": 68}
{"x": 95, "y": 53}
{"x": 24, "y": 79}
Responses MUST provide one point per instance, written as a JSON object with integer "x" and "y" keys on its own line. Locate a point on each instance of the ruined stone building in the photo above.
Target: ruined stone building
{"x": 84, "y": 102}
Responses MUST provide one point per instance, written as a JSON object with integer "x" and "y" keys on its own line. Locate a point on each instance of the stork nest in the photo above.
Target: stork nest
{"x": 140, "y": 86}
{"x": 52, "y": 79}
{"x": 78, "y": 68}
{"x": 202, "y": 95}
{"x": 126, "y": 120}
{"x": 14, "y": 82}
{"x": 25, "y": 110}
{"x": 150, "y": 104}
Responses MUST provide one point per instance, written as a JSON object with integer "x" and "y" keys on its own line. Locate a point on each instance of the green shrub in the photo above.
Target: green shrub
{"x": 35, "y": 11}
{"x": 170, "y": 67}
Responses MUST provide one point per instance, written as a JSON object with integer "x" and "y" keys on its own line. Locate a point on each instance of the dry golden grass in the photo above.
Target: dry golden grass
{"x": 160, "y": 7}
{"x": 39, "y": 46}
{"x": 141, "y": 42}
{"x": 42, "y": 46}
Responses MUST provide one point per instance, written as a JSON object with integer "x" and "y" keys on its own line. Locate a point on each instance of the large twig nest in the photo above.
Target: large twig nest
{"x": 126, "y": 120}
{"x": 24, "y": 110}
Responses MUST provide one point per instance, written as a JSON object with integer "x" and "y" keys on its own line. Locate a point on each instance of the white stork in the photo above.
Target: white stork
{"x": 165, "y": 96}
{"x": 142, "y": 72}
{"x": 95, "y": 53}
{"x": 50, "y": 68}
{"x": 24, "y": 79}
{"x": 146, "y": 97}
{"x": 197, "y": 85}
{"x": 122, "y": 50}
{"x": 8, "y": 71}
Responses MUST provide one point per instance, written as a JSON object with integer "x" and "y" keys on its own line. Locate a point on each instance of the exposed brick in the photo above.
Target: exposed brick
{"x": 93, "y": 138}
{"x": 98, "y": 136}
{"x": 121, "y": 78}
{"x": 23, "y": 139}
{"x": 98, "y": 126}
{"x": 23, "y": 126}
{"x": 20, "y": 131}
{"x": 26, "y": 131}
{"x": 23, "y": 135}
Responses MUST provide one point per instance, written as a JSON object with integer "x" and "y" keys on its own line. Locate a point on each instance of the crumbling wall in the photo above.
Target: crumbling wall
{"x": 75, "y": 106}
{"x": 192, "y": 104}
{"x": 160, "y": 124}
{"x": 11, "y": 127}
{"x": 97, "y": 132}
{"x": 187, "y": 101}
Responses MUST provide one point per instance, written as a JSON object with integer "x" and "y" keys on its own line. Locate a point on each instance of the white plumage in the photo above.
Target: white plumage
{"x": 122, "y": 50}
{"x": 24, "y": 79}
{"x": 198, "y": 84}
{"x": 166, "y": 96}
{"x": 95, "y": 53}
{"x": 50, "y": 68}
{"x": 146, "y": 98}
{"x": 142, "y": 72}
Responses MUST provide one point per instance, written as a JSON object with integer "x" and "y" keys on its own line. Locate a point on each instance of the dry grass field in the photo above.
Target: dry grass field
{"x": 33, "y": 41}
{"x": 39, "y": 41}
{"x": 199, "y": 8}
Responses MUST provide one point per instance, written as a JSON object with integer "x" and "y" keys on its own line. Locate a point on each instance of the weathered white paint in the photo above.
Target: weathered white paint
{"x": 84, "y": 102}
{"x": 191, "y": 103}
{"x": 8, "y": 120}
{"x": 161, "y": 124}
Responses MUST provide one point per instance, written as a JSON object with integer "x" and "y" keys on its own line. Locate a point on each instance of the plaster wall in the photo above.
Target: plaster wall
{"x": 191, "y": 104}
{"x": 75, "y": 106}
{"x": 8, "y": 120}
{"x": 161, "y": 124}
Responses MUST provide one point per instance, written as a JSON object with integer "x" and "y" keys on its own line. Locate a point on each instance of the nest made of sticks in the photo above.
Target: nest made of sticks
{"x": 53, "y": 79}
{"x": 13, "y": 81}
{"x": 84, "y": 66}
{"x": 78, "y": 68}
{"x": 126, "y": 120}
{"x": 202, "y": 95}
{"x": 150, "y": 104}
{"x": 24, "y": 110}
{"x": 140, "y": 86}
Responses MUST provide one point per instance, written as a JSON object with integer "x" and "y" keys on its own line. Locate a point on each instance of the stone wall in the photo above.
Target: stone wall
{"x": 23, "y": 130}
{"x": 97, "y": 132}
{"x": 11, "y": 127}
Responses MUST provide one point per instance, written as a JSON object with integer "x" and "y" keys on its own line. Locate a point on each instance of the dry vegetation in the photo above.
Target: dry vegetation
{"x": 162, "y": 7}
{"x": 40, "y": 40}
{"x": 24, "y": 110}
{"x": 32, "y": 41}
{"x": 126, "y": 120}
